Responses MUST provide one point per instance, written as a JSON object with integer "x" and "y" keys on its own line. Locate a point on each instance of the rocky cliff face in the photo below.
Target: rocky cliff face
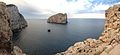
{"x": 58, "y": 18}
{"x": 109, "y": 41}
{"x": 17, "y": 20}
{"x": 5, "y": 31}
{"x": 6, "y": 46}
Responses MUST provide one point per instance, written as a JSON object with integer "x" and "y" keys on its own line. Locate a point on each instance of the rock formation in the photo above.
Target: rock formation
{"x": 58, "y": 18}
{"x": 6, "y": 46}
{"x": 109, "y": 41}
{"x": 17, "y": 20}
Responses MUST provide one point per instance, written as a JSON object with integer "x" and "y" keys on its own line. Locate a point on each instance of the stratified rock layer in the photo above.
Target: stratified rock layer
{"x": 6, "y": 46}
{"x": 109, "y": 41}
{"x": 58, "y": 18}
{"x": 17, "y": 20}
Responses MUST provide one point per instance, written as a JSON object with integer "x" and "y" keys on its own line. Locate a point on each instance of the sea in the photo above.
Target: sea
{"x": 36, "y": 40}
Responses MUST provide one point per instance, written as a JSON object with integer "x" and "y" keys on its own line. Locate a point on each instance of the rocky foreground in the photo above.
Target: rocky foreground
{"x": 8, "y": 22}
{"x": 109, "y": 41}
{"x": 58, "y": 18}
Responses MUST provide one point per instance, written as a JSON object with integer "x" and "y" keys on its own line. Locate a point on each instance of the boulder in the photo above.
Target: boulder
{"x": 109, "y": 41}
{"x": 58, "y": 18}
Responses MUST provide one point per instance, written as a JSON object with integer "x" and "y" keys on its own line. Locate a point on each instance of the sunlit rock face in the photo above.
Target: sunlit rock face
{"x": 17, "y": 20}
{"x": 6, "y": 46}
{"x": 58, "y": 18}
{"x": 109, "y": 41}
{"x": 5, "y": 31}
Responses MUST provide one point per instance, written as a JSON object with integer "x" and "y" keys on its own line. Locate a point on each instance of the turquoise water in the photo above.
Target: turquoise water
{"x": 36, "y": 40}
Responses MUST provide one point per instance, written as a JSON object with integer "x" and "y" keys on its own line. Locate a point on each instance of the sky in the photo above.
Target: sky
{"x": 42, "y": 9}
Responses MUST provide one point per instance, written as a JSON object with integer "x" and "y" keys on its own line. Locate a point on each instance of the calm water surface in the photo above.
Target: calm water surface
{"x": 35, "y": 40}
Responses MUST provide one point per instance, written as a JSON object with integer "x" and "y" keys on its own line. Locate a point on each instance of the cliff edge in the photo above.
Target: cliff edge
{"x": 109, "y": 41}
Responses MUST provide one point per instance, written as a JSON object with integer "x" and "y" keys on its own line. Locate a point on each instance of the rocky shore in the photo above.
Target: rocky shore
{"x": 58, "y": 19}
{"x": 7, "y": 24}
{"x": 109, "y": 41}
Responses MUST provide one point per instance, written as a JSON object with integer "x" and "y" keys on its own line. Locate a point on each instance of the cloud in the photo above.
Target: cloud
{"x": 96, "y": 6}
{"x": 22, "y": 6}
{"x": 71, "y": 0}
{"x": 28, "y": 10}
{"x": 110, "y": 2}
{"x": 59, "y": 5}
{"x": 88, "y": 15}
{"x": 93, "y": 8}
{"x": 74, "y": 8}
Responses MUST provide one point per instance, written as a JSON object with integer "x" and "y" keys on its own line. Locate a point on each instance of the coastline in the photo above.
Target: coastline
{"x": 106, "y": 44}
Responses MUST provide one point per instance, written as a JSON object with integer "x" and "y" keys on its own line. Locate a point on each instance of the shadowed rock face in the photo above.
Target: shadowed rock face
{"x": 58, "y": 18}
{"x": 6, "y": 46}
{"x": 17, "y": 20}
{"x": 109, "y": 41}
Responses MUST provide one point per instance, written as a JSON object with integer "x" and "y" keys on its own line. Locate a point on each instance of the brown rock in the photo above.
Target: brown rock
{"x": 6, "y": 46}
{"x": 58, "y": 18}
{"x": 115, "y": 50}
{"x": 5, "y": 30}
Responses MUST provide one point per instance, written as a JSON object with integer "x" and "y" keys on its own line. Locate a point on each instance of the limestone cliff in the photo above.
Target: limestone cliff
{"x": 58, "y": 18}
{"x": 109, "y": 41}
{"x": 17, "y": 20}
{"x": 6, "y": 46}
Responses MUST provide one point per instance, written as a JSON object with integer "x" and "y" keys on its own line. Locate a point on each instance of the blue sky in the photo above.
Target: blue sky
{"x": 42, "y": 9}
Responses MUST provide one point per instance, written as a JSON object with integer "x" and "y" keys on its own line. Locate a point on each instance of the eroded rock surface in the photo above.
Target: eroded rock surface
{"x": 6, "y": 46}
{"x": 17, "y": 20}
{"x": 109, "y": 41}
{"x": 58, "y": 18}
{"x": 5, "y": 31}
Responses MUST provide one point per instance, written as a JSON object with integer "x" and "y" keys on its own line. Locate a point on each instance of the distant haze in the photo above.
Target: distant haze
{"x": 42, "y": 9}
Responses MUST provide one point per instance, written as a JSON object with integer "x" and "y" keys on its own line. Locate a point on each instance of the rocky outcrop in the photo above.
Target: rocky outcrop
{"x": 109, "y": 41}
{"x": 17, "y": 21}
{"x": 6, "y": 46}
{"x": 17, "y": 51}
{"x": 58, "y": 18}
{"x": 5, "y": 31}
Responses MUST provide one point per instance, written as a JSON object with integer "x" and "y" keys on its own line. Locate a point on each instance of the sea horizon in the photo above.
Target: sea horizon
{"x": 68, "y": 18}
